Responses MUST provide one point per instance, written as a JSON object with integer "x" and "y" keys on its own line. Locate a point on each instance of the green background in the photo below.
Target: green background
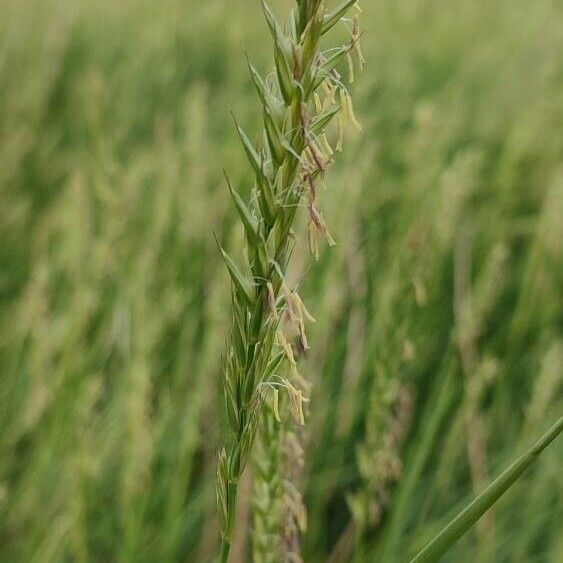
{"x": 437, "y": 353}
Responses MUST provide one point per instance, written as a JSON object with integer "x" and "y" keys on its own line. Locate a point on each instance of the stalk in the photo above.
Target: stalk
{"x": 299, "y": 102}
{"x": 483, "y": 502}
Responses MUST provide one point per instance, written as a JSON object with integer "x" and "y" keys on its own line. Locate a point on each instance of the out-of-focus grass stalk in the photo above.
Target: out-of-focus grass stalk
{"x": 471, "y": 307}
{"x": 441, "y": 400}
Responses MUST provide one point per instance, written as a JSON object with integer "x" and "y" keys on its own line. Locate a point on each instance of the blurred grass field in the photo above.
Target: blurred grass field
{"x": 437, "y": 354}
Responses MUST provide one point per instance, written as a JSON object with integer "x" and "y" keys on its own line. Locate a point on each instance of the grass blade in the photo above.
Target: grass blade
{"x": 469, "y": 515}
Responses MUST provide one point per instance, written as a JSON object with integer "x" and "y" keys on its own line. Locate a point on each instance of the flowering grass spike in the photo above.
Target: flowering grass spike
{"x": 302, "y": 102}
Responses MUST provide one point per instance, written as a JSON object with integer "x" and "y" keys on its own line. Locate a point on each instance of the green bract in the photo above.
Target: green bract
{"x": 286, "y": 166}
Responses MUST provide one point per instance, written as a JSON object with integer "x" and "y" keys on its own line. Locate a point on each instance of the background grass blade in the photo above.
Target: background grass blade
{"x": 465, "y": 519}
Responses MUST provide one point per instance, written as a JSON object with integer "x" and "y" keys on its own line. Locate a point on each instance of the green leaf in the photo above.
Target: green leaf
{"x": 268, "y": 202}
{"x": 284, "y": 73}
{"x": 275, "y": 138}
{"x": 292, "y": 25}
{"x": 268, "y": 99}
{"x": 248, "y": 220}
{"x": 275, "y": 28}
{"x": 230, "y": 404}
{"x": 469, "y": 515}
{"x": 312, "y": 34}
{"x": 334, "y": 17}
{"x": 302, "y": 4}
{"x": 239, "y": 338}
{"x": 282, "y": 55}
{"x": 249, "y": 150}
{"x": 273, "y": 365}
{"x": 319, "y": 122}
{"x": 330, "y": 64}
{"x": 241, "y": 283}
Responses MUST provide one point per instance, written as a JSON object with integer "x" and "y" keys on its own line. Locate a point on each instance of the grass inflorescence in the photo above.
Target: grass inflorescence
{"x": 299, "y": 102}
